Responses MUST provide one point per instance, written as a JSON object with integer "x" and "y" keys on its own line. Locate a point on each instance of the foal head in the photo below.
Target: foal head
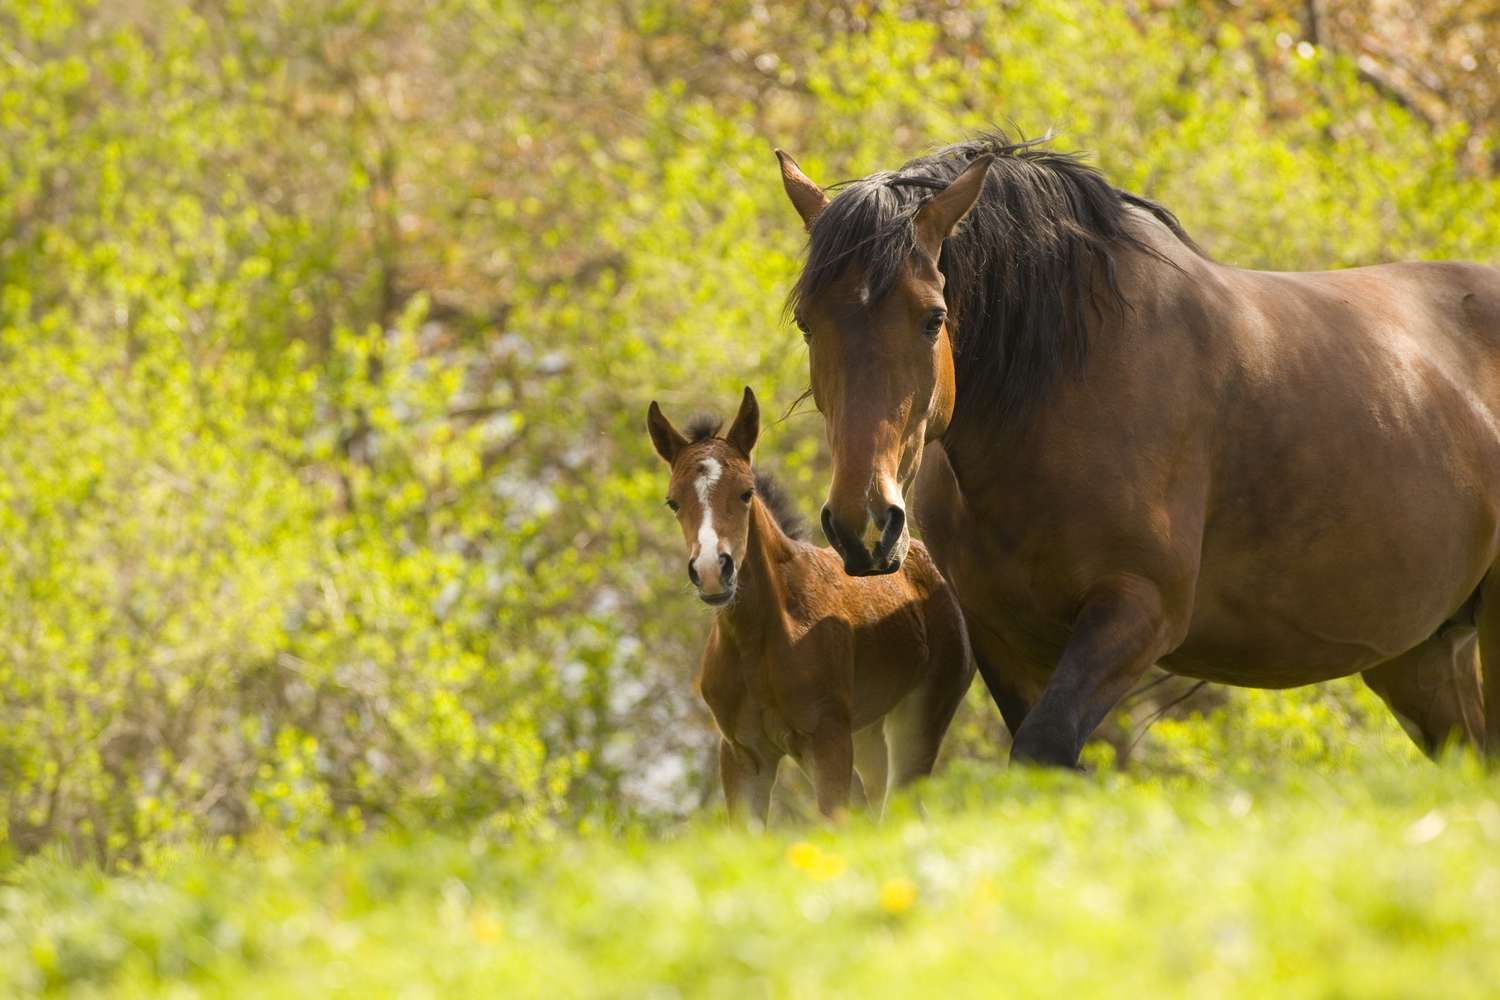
{"x": 711, "y": 493}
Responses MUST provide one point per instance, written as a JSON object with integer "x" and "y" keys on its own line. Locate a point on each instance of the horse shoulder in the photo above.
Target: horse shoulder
{"x": 812, "y": 673}
{"x": 721, "y": 682}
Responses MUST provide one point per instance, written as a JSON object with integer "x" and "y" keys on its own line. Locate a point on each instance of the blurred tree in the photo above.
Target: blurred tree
{"x": 327, "y": 329}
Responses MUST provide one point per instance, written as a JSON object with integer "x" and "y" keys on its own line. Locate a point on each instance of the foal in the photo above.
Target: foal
{"x": 804, "y": 661}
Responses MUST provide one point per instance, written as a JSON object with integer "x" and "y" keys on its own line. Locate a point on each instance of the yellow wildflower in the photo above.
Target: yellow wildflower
{"x": 817, "y": 863}
{"x": 897, "y": 895}
{"x": 485, "y": 926}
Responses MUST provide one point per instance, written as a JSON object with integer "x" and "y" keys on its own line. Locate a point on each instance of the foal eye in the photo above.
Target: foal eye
{"x": 802, "y": 325}
{"x": 934, "y": 324}
{"x": 745, "y": 496}
{"x": 672, "y": 505}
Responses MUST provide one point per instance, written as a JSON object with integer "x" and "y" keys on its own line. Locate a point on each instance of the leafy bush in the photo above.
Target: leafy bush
{"x": 326, "y": 330}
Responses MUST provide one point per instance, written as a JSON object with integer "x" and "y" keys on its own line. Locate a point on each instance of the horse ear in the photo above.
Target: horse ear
{"x": 667, "y": 439}
{"x": 936, "y": 220}
{"x": 746, "y": 427}
{"x": 807, "y": 197}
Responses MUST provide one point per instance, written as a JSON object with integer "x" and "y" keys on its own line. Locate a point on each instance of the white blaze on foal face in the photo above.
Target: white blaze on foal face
{"x": 706, "y": 556}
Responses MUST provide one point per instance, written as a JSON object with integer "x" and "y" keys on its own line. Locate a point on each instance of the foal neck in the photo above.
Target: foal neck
{"x": 762, "y": 586}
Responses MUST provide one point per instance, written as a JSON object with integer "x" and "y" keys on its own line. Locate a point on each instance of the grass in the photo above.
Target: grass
{"x": 1374, "y": 876}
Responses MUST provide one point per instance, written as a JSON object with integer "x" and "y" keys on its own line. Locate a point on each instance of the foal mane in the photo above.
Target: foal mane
{"x": 780, "y": 504}
{"x": 783, "y": 510}
{"x": 1022, "y": 271}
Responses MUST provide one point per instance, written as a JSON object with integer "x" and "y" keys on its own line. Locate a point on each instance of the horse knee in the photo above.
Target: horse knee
{"x": 1045, "y": 746}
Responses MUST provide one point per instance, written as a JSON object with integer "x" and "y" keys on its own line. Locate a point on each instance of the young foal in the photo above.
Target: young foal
{"x": 803, "y": 660}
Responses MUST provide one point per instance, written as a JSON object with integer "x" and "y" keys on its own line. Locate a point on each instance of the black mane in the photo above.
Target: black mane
{"x": 1021, "y": 271}
{"x": 780, "y": 504}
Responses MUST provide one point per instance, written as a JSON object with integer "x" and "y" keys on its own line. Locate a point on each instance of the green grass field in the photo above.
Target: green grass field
{"x": 1367, "y": 875}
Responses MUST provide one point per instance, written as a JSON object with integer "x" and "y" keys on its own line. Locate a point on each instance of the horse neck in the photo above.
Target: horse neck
{"x": 760, "y": 598}
{"x": 991, "y": 413}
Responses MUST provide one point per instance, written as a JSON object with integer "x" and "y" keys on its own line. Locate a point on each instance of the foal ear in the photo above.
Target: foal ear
{"x": 667, "y": 439}
{"x": 807, "y": 197}
{"x": 939, "y": 217}
{"x": 746, "y": 427}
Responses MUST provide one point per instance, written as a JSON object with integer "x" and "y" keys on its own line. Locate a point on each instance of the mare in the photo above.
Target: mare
{"x": 1138, "y": 455}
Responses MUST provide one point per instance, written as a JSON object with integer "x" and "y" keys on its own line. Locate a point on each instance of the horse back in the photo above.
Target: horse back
{"x": 1353, "y": 467}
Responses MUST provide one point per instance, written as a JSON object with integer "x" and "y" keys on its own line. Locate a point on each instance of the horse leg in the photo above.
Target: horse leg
{"x": 1487, "y": 617}
{"x": 748, "y": 775}
{"x": 1433, "y": 690}
{"x": 1014, "y": 679}
{"x": 830, "y": 753}
{"x": 918, "y": 723}
{"x": 1115, "y": 639}
{"x": 1008, "y": 699}
{"x": 871, "y": 761}
{"x": 914, "y": 738}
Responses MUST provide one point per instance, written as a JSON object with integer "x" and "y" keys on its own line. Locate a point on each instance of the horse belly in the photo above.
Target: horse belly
{"x": 890, "y": 659}
{"x": 1365, "y": 565}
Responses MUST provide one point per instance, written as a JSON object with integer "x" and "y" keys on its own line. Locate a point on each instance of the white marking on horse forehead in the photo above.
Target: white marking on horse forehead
{"x": 709, "y": 471}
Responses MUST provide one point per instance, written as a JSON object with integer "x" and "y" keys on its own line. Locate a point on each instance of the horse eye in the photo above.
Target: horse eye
{"x": 801, "y": 325}
{"x": 745, "y": 496}
{"x": 934, "y": 324}
{"x": 672, "y": 505}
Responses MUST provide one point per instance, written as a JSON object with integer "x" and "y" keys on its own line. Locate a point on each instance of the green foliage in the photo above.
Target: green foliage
{"x": 1340, "y": 875}
{"x": 327, "y": 329}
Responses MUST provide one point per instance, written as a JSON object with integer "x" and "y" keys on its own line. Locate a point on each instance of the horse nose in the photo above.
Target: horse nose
{"x": 892, "y": 525}
{"x": 828, "y": 532}
{"x": 693, "y": 574}
{"x": 849, "y": 547}
{"x": 726, "y": 570}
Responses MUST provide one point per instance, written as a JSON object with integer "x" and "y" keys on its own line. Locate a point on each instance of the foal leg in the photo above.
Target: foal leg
{"x": 918, "y": 723}
{"x": 914, "y": 740}
{"x": 748, "y": 775}
{"x": 872, "y": 762}
{"x": 1433, "y": 690}
{"x": 830, "y": 754}
{"x": 1116, "y": 637}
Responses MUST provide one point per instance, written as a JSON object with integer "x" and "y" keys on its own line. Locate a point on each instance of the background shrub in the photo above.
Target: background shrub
{"x": 326, "y": 330}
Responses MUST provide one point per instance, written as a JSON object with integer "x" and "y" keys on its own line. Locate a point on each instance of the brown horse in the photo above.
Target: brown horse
{"x": 803, "y": 661}
{"x": 1262, "y": 479}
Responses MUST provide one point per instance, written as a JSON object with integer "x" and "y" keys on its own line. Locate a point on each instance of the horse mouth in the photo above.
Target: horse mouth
{"x": 871, "y": 569}
{"x": 889, "y": 554}
{"x": 717, "y": 600}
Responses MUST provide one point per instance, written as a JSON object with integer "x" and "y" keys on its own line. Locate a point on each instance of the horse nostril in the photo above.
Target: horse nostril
{"x": 890, "y": 532}
{"x": 726, "y": 569}
{"x": 828, "y": 532}
{"x": 693, "y": 574}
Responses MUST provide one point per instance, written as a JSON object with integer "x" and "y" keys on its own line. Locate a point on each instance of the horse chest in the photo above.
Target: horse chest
{"x": 769, "y": 697}
{"x": 996, "y": 586}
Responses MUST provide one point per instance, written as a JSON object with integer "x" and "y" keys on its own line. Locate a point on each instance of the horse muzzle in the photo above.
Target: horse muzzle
{"x": 859, "y": 560}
